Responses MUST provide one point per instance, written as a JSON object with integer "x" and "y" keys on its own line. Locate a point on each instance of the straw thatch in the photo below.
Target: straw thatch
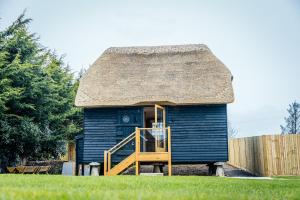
{"x": 181, "y": 74}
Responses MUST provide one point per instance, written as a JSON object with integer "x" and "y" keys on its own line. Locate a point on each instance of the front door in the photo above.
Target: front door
{"x": 159, "y": 130}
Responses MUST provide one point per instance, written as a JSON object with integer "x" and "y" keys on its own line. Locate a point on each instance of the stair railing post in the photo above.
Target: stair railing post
{"x": 169, "y": 152}
{"x": 137, "y": 150}
{"x": 109, "y": 161}
{"x": 105, "y": 163}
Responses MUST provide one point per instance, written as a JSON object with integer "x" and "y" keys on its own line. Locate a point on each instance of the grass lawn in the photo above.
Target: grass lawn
{"x": 131, "y": 187}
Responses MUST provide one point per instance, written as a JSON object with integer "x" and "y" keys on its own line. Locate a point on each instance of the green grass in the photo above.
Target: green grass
{"x": 131, "y": 187}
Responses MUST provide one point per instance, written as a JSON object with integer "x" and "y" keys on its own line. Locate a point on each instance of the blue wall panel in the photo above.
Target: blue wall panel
{"x": 103, "y": 128}
{"x": 199, "y": 133}
{"x": 79, "y": 148}
{"x": 99, "y": 132}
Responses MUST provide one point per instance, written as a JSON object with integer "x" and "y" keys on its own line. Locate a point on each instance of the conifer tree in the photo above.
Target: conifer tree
{"x": 37, "y": 92}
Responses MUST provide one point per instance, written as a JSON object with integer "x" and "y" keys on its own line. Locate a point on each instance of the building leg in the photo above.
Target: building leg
{"x": 137, "y": 168}
{"x": 211, "y": 169}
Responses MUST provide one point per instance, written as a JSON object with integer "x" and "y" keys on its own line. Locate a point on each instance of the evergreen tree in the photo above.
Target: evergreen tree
{"x": 37, "y": 92}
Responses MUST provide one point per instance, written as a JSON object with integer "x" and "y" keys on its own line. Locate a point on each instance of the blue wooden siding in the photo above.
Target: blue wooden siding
{"x": 99, "y": 132}
{"x": 103, "y": 129}
{"x": 79, "y": 149}
{"x": 199, "y": 133}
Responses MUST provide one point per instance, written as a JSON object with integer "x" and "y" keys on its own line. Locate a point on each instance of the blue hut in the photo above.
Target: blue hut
{"x": 150, "y": 105}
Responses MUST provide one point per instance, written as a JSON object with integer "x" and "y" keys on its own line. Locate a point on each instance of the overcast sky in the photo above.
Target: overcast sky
{"x": 259, "y": 41}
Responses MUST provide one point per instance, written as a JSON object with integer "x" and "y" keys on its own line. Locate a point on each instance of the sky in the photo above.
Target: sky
{"x": 259, "y": 41}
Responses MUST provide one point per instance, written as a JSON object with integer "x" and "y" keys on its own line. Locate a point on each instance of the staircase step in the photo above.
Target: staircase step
{"x": 151, "y": 174}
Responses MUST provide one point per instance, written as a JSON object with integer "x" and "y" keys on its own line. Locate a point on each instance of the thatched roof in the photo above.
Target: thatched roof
{"x": 179, "y": 74}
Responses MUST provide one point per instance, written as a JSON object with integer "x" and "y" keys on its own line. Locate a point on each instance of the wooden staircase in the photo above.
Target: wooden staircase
{"x": 136, "y": 157}
{"x": 124, "y": 164}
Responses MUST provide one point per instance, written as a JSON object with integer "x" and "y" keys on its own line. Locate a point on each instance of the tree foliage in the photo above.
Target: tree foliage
{"x": 292, "y": 122}
{"x": 37, "y": 92}
{"x": 232, "y": 132}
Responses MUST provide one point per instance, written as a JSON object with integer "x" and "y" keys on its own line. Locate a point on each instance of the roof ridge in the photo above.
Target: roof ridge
{"x": 157, "y": 49}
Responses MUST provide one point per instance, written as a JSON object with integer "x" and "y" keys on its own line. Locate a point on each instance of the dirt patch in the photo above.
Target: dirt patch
{"x": 191, "y": 170}
{"x": 234, "y": 171}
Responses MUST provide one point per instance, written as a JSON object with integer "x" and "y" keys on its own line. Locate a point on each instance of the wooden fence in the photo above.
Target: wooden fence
{"x": 268, "y": 155}
{"x": 70, "y": 152}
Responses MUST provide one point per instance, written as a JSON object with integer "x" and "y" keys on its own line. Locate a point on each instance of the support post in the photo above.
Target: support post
{"x": 137, "y": 150}
{"x": 164, "y": 138}
{"x": 164, "y": 128}
{"x": 169, "y": 152}
{"x": 82, "y": 169}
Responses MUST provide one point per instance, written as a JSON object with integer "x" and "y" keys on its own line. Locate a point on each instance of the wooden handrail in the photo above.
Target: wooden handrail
{"x": 122, "y": 143}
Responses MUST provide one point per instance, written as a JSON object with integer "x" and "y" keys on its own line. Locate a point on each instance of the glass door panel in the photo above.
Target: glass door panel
{"x": 159, "y": 129}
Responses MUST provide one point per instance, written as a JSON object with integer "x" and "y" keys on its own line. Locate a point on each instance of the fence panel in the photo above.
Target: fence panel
{"x": 267, "y": 155}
